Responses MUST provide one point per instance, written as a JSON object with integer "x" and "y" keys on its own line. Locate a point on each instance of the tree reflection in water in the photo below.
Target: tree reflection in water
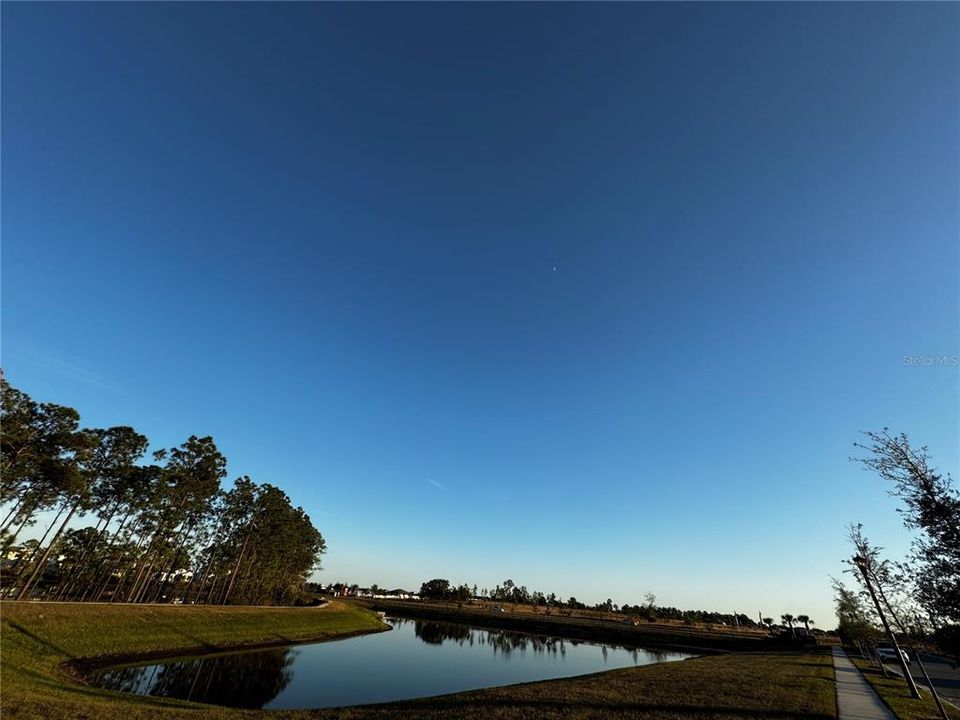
{"x": 248, "y": 680}
{"x": 504, "y": 642}
{"x": 331, "y": 675}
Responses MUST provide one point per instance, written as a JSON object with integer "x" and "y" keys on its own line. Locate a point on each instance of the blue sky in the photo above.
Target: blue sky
{"x": 594, "y": 297}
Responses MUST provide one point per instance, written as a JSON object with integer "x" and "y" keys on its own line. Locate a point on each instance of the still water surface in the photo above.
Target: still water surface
{"x": 418, "y": 658}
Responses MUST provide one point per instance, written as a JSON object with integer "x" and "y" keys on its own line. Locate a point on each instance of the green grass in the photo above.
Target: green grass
{"x": 894, "y": 692}
{"x": 719, "y": 687}
{"x": 38, "y": 639}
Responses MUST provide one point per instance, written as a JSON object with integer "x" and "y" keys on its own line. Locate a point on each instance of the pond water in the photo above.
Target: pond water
{"x": 418, "y": 658}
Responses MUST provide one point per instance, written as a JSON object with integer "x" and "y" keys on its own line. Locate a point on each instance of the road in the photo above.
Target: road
{"x": 943, "y": 674}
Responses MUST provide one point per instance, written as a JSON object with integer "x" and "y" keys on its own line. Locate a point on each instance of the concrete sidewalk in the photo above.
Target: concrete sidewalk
{"x": 856, "y": 700}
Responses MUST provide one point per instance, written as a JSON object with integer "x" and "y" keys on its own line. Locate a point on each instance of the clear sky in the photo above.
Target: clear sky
{"x": 594, "y": 297}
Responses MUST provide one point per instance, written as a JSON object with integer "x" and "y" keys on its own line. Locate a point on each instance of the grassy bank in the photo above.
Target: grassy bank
{"x": 42, "y": 644}
{"x": 721, "y": 687}
{"x": 577, "y": 615}
{"x": 894, "y": 692}
{"x": 38, "y": 639}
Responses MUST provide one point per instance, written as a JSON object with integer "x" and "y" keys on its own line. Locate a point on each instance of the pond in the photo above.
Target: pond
{"x": 418, "y": 658}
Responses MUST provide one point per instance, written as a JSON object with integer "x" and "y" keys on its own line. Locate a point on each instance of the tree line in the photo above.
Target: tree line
{"x": 442, "y": 589}
{"x": 919, "y": 594}
{"x": 164, "y": 530}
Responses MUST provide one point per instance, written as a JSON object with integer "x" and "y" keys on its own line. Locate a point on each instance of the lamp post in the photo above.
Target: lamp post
{"x": 863, "y": 565}
{"x": 910, "y": 646}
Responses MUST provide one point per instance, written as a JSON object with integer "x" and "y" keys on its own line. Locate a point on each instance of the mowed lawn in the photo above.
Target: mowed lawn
{"x": 893, "y": 690}
{"x": 38, "y": 640}
{"x": 781, "y": 685}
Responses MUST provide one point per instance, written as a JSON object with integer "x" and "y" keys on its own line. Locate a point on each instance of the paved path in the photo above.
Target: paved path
{"x": 856, "y": 700}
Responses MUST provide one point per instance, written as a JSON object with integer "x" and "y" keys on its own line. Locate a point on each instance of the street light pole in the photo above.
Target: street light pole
{"x": 906, "y": 635}
{"x": 861, "y": 563}
{"x": 933, "y": 688}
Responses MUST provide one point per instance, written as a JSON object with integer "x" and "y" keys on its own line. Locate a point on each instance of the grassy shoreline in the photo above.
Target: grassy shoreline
{"x": 46, "y": 648}
{"x": 82, "y": 667}
{"x": 40, "y": 642}
{"x": 590, "y": 629}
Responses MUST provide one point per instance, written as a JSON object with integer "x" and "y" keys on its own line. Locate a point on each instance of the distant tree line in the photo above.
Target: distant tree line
{"x": 159, "y": 531}
{"x": 509, "y": 592}
{"x": 440, "y": 589}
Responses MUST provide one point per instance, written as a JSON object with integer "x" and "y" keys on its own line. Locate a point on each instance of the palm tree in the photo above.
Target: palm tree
{"x": 807, "y": 622}
{"x": 788, "y": 620}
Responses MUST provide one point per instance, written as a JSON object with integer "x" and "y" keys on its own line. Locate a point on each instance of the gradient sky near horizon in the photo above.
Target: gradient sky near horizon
{"x": 593, "y": 297}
